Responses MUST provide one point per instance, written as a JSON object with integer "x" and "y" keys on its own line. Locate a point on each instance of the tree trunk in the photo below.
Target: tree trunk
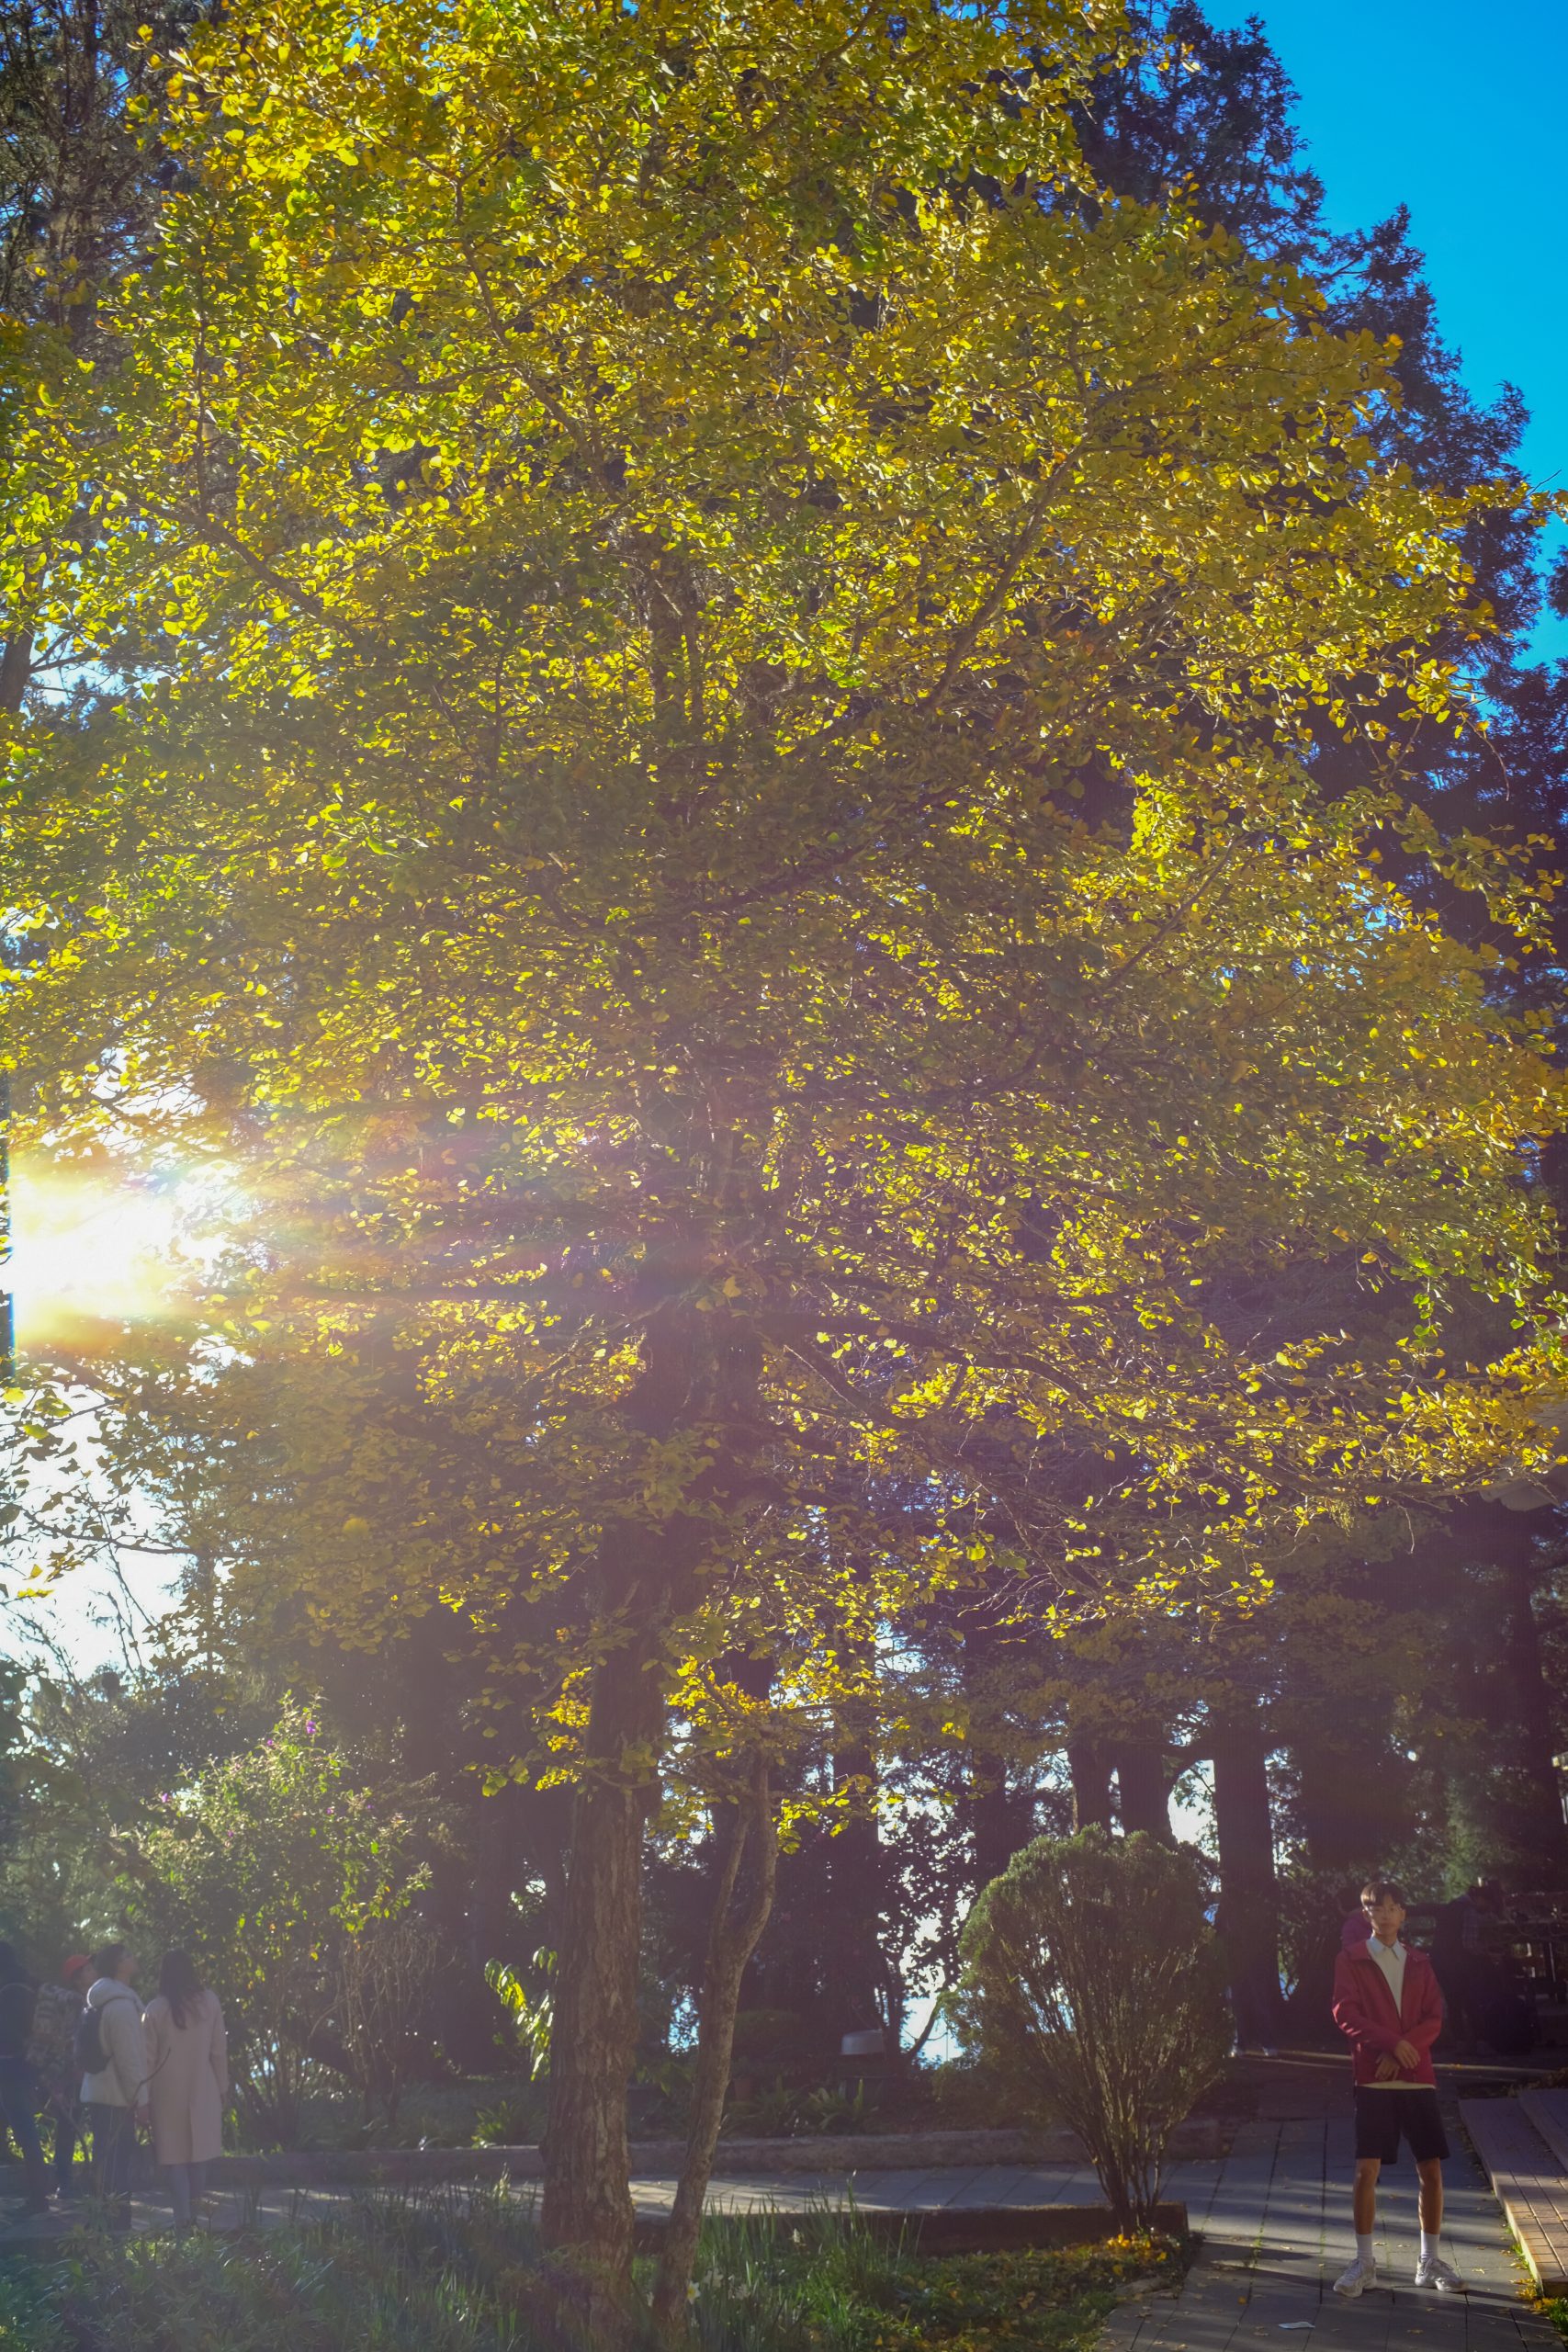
{"x": 1143, "y": 1789}
{"x": 1250, "y": 1900}
{"x": 586, "y": 2214}
{"x": 642, "y": 1580}
{"x": 1545, "y": 1834}
{"x": 1355, "y": 1792}
{"x": 855, "y": 1862}
{"x": 15, "y": 671}
{"x": 1090, "y": 1769}
{"x": 1000, "y": 1816}
{"x": 732, "y": 1939}
{"x": 1001, "y": 1819}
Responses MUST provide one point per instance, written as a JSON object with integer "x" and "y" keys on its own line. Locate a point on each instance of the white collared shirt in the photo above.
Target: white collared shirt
{"x": 1390, "y": 1959}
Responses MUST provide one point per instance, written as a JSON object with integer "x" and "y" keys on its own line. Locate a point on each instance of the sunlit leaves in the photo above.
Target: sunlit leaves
{"x": 706, "y": 746}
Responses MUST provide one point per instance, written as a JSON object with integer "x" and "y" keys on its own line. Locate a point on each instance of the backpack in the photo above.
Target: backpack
{"x": 50, "y": 2045}
{"x": 87, "y": 2043}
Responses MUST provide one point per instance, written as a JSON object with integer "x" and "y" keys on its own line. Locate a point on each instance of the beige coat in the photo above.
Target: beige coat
{"x": 121, "y": 2081}
{"x": 188, "y": 2080}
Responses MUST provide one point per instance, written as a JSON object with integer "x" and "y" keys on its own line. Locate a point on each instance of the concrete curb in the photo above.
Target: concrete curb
{"x": 857, "y": 2151}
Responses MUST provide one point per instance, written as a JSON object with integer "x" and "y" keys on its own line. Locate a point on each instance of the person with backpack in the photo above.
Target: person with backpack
{"x": 112, "y": 2051}
{"x": 52, "y": 2050}
{"x": 18, "y": 2083}
{"x": 187, "y": 2055}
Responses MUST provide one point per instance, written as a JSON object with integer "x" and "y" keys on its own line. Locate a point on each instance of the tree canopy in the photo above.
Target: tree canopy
{"x": 696, "y": 751}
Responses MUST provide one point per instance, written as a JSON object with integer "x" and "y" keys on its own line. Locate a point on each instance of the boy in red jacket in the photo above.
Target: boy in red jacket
{"x": 1388, "y": 2005}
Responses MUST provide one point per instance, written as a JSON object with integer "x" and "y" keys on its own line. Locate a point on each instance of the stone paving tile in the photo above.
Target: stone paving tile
{"x": 1018, "y": 2186}
{"x": 1497, "y": 2335}
{"x": 1196, "y": 2331}
{"x": 913, "y": 2192}
{"x": 973, "y": 2188}
{"x": 1209, "y": 2289}
{"x": 1078, "y": 2188}
{"x": 1194, "y": 2186}
{"x": 1287, "y": 2296}
{"x": 1124, "y": 2325}
{"x": 1299, "y": 2131}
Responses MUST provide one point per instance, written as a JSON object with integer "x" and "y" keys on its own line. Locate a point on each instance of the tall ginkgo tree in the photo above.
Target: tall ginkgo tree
{"x": 694, "y": 749}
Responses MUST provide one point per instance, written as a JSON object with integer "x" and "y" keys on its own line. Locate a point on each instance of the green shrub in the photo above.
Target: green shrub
{"x": 267, "y": 1864}
{"x": 790, "y": 2110}
{"x": 514, "y": 2121}
{"x": 1094, "y": 1976}
{"x": 26, "y": 2322}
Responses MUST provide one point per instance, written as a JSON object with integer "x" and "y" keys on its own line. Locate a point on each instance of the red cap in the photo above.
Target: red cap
{"x": 78, "y": 1961}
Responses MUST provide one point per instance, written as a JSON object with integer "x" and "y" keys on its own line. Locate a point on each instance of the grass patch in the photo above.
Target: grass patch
{"x": 776, "y": 2284}
{"x": 452, "y": 2271}
{"x": 427, "y": 2274}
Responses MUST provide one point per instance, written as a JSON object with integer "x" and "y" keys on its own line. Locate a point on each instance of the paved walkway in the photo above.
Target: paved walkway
{"x": 1273, "y": 2217}
{"x": 1276, "y": 2235}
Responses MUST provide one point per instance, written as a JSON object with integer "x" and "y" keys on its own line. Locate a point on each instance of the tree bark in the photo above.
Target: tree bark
{"x": 1143, "y": 1788}
{"x": 732, "y": 1938}
{"x": 1249, "y": 1901}
{"x": 1354, "y": 1794}
{"x": 854, "y": 1881}
{"x": 1514, "y": 1802}
{"x": 586, "y": 2213}
{"x": 15, "y": 671}
{"x": 1542, "y": 1806}
{"x": 1090, "y": 1769}
{"x": 999, "y": 1818}
{"x": 642, "y": 1581}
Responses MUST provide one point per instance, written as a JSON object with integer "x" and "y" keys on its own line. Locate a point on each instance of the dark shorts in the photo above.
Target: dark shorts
{"x": 1382, "y": 2116}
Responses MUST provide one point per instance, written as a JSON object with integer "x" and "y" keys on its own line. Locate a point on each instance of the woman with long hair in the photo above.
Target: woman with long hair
{"x": 187, "y": 2056}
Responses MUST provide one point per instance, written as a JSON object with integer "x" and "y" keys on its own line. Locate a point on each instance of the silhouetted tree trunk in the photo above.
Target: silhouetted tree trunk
{"x": 1143, "y": 1787}
{"x": 1541, "y": 1806}
{"x": 1001, "y": 1819}
{"x": 854, "y": 1881}
{"x": 1000, "y": 1816}
{"x": 1090, "y": 1768}
{"x": 1355, "y": 1801}
{"x": 857, "y": 1993}
{"x": 1250, "y": 1902}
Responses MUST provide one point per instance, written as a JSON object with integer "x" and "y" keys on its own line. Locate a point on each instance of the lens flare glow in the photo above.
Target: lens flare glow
{"x": 88, "y": 1248}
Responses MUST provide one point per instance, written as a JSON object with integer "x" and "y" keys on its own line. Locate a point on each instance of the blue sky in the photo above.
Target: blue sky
{"x": 1461, "y": 112}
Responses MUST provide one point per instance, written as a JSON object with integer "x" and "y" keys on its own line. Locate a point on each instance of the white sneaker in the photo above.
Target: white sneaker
{"x": 1361, "y": 2275}
{"x": 1435, "y": 2272}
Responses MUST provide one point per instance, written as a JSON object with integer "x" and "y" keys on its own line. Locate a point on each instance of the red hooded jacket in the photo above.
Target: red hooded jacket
{"x": 1365, "y": 2014}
